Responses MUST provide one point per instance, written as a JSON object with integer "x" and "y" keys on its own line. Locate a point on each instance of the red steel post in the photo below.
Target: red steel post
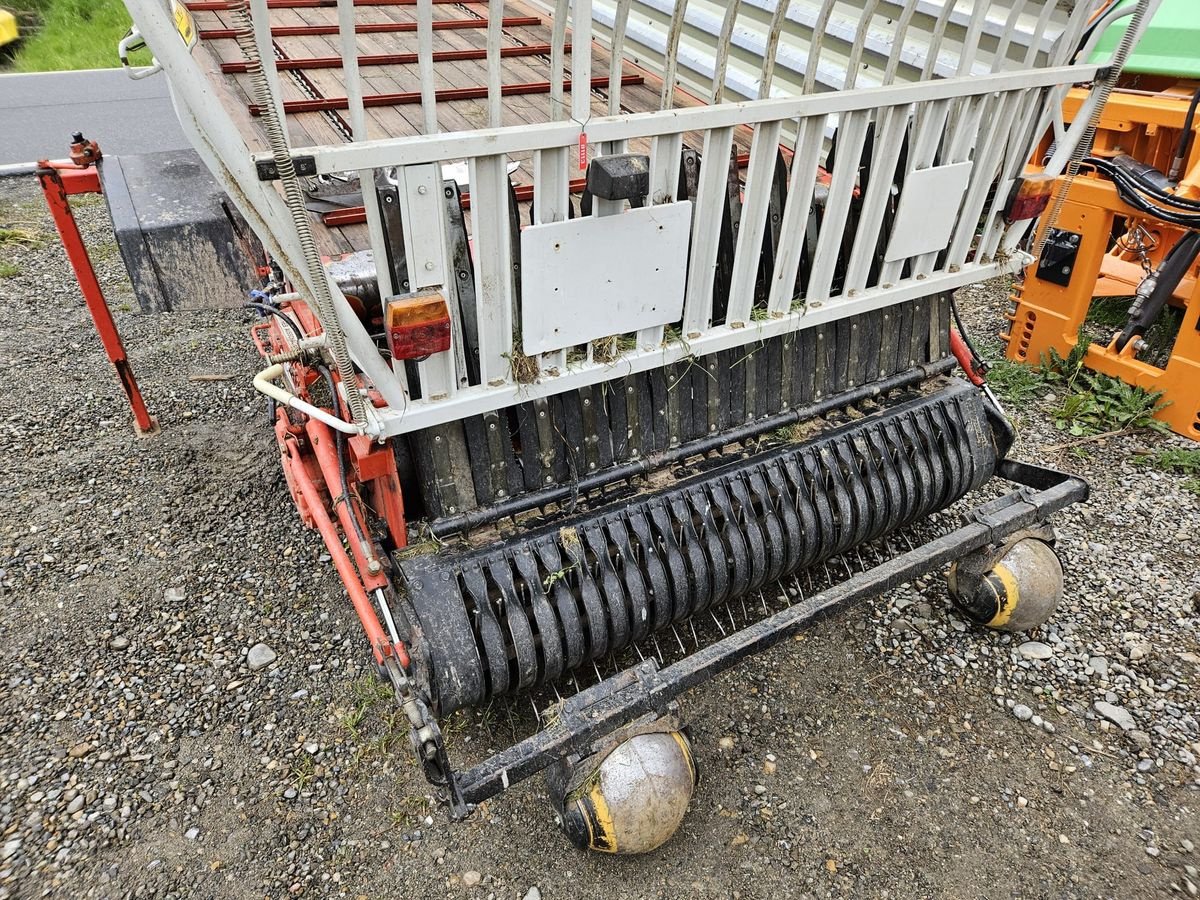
{"x": 85, "y": 180}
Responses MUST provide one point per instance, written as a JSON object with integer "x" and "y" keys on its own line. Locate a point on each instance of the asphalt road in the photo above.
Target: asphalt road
{"x": 40, "y": 111}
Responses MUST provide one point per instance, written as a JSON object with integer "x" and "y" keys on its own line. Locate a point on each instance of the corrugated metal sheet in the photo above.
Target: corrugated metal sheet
{"x": 646, "y": 40}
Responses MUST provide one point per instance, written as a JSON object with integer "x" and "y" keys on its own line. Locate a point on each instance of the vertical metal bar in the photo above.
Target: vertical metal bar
{"x": 970, "y": 47}
{"x": 581, "y": 60}
{"x": 935, "y": 40}
{"x": 721, "y": 62}
{"x": 493, "y": 272}
{"x": 671, "y": 62}
{"x": 706, "y": 230}
{"x": 778, "y": 18}
{"x": 616, "y": 62}
{"x": 860, "y": 40}
{"x": 1072, "y": 35}
{"x": 931, "y": 121}
{"x": 358, "y": 131}
{"x": 816, "y": 45}
{"x": 988, "y": 149}
{"x": 810, "y": 138}
{"x": 551, "y": 199}
{"x": 665, "y": 153}
{"x": 760, "y": 174}
{"x": 888, "y": 143}
{"x": 425, "y": 65}
{"x": 1006, "y": 36}
{"x": 852, "y": 134}
{"x": 901, "y": 31}
{"x": 558, "y": 56}
{"x": 1039, "y": 32}
{"x": 260, "y": 15}
{"x": 494, "y": 37}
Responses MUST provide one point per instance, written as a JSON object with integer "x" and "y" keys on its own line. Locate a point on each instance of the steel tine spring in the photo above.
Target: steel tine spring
{"x": 732, "y": 621}
{"x": 535, "y": 711}
{"x": 763, "y": 600}
{"x": 682, "y": 648}
{"x": 657, "y": 649}
{"x": 742, "y": 600}
{"x": 692, "y": 628}
{"x": 638, "y": 651}
{"x": 720, "y": 627}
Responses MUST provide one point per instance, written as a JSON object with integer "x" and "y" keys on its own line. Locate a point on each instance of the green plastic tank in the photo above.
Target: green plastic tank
{"x": 1170, "y": 46}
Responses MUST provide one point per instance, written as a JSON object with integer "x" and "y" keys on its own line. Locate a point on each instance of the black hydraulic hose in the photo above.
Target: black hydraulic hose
{"x": 1130, "y": 194}
{"x": 267, "y": 309}
{"x": 980, "y": 362}
{"x": 1146, "y": 307}
{"x": 1146, "y": 179}
{"x": 1185, "y": 138}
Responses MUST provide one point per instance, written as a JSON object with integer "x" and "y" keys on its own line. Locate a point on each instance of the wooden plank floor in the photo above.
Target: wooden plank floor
{"x": 332, "y": 126}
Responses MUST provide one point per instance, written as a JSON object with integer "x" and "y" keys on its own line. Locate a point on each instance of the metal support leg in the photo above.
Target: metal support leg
{"x": 57, "y": 185}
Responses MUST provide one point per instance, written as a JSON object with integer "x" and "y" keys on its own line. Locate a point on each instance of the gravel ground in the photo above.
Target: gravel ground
{"x": 894, "y": 752}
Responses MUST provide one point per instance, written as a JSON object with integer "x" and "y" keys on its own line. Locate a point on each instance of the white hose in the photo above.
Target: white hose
{"x": 264, "y": 383}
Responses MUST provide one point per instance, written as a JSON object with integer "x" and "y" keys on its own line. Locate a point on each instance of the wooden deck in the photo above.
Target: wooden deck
{"x": 460, "y": 30}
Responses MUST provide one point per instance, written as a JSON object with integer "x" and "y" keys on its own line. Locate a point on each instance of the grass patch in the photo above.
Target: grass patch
{"x": 1015, "y": 382}
{"x": 9, "y": 270}
{"x": 1183, "y": 462}
{"x": 1107, "y": 405}
{"x": 69, "y": 34}
{"x": 20, "y": 237}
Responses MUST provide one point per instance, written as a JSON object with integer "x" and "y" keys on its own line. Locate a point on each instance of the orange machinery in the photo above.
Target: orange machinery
{"x": 1129, "y": 228}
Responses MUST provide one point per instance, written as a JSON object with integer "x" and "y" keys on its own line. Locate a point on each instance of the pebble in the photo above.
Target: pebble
{"x": 1022, "y": 712}
{"x": 1118, "y": 715}
{"x": 1099, "y": 665}
{"x": 471, "y": 878}
{"x": 259, "y": 657}
{"x": 119, "y": 643}
{"x": 1035, "y": 650}
{"x": 192, "y": 833}
{"x": 533, "y": 894}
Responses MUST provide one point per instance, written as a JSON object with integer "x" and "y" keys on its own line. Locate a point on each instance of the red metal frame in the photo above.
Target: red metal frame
{"x": 229, "y": 34}
{"x": 312, "y": 468}
{"x": 60, "y": 179}
{"x": 238, "y": 67}
{"x": 412, "y": 97}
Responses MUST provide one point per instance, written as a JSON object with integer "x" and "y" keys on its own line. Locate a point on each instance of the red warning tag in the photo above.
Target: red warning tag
{"x": 582, "y": 150}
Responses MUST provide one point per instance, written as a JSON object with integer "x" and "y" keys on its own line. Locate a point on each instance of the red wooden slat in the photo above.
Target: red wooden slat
{"x": 393, "y": 59}
{"x": 410, "y": 97}
{"x": 229, "y": 34}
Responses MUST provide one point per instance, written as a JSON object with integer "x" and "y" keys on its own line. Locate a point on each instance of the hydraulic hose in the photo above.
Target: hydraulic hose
{"x": 1161, "y": 285}
{"x": 294, "y": 197}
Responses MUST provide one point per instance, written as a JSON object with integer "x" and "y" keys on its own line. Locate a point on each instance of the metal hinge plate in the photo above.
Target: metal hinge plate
{"x": 268, "y": 171}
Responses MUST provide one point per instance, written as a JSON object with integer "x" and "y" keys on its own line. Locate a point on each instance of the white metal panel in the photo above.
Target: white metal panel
{"x": 928, "y": 210}
{"x": 603, "y": 275}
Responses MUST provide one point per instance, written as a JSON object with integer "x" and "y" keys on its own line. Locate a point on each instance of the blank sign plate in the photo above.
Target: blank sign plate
{"x": 593, "y": 277}
{"x": 928, "y": 210}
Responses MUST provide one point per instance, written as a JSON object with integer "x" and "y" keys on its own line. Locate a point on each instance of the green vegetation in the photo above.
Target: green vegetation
{"x": 9, "y": 270}
{"x": 69, "y": 34}
{"x": 1090, "y": 404}
{"x": 1183, "y": 462}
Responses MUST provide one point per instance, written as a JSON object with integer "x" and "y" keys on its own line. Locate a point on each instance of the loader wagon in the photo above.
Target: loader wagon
{"x": 595, "y": 381}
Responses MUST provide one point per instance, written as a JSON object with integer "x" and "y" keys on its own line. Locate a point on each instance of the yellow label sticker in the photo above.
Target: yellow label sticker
{"x": 184, "y": 23}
